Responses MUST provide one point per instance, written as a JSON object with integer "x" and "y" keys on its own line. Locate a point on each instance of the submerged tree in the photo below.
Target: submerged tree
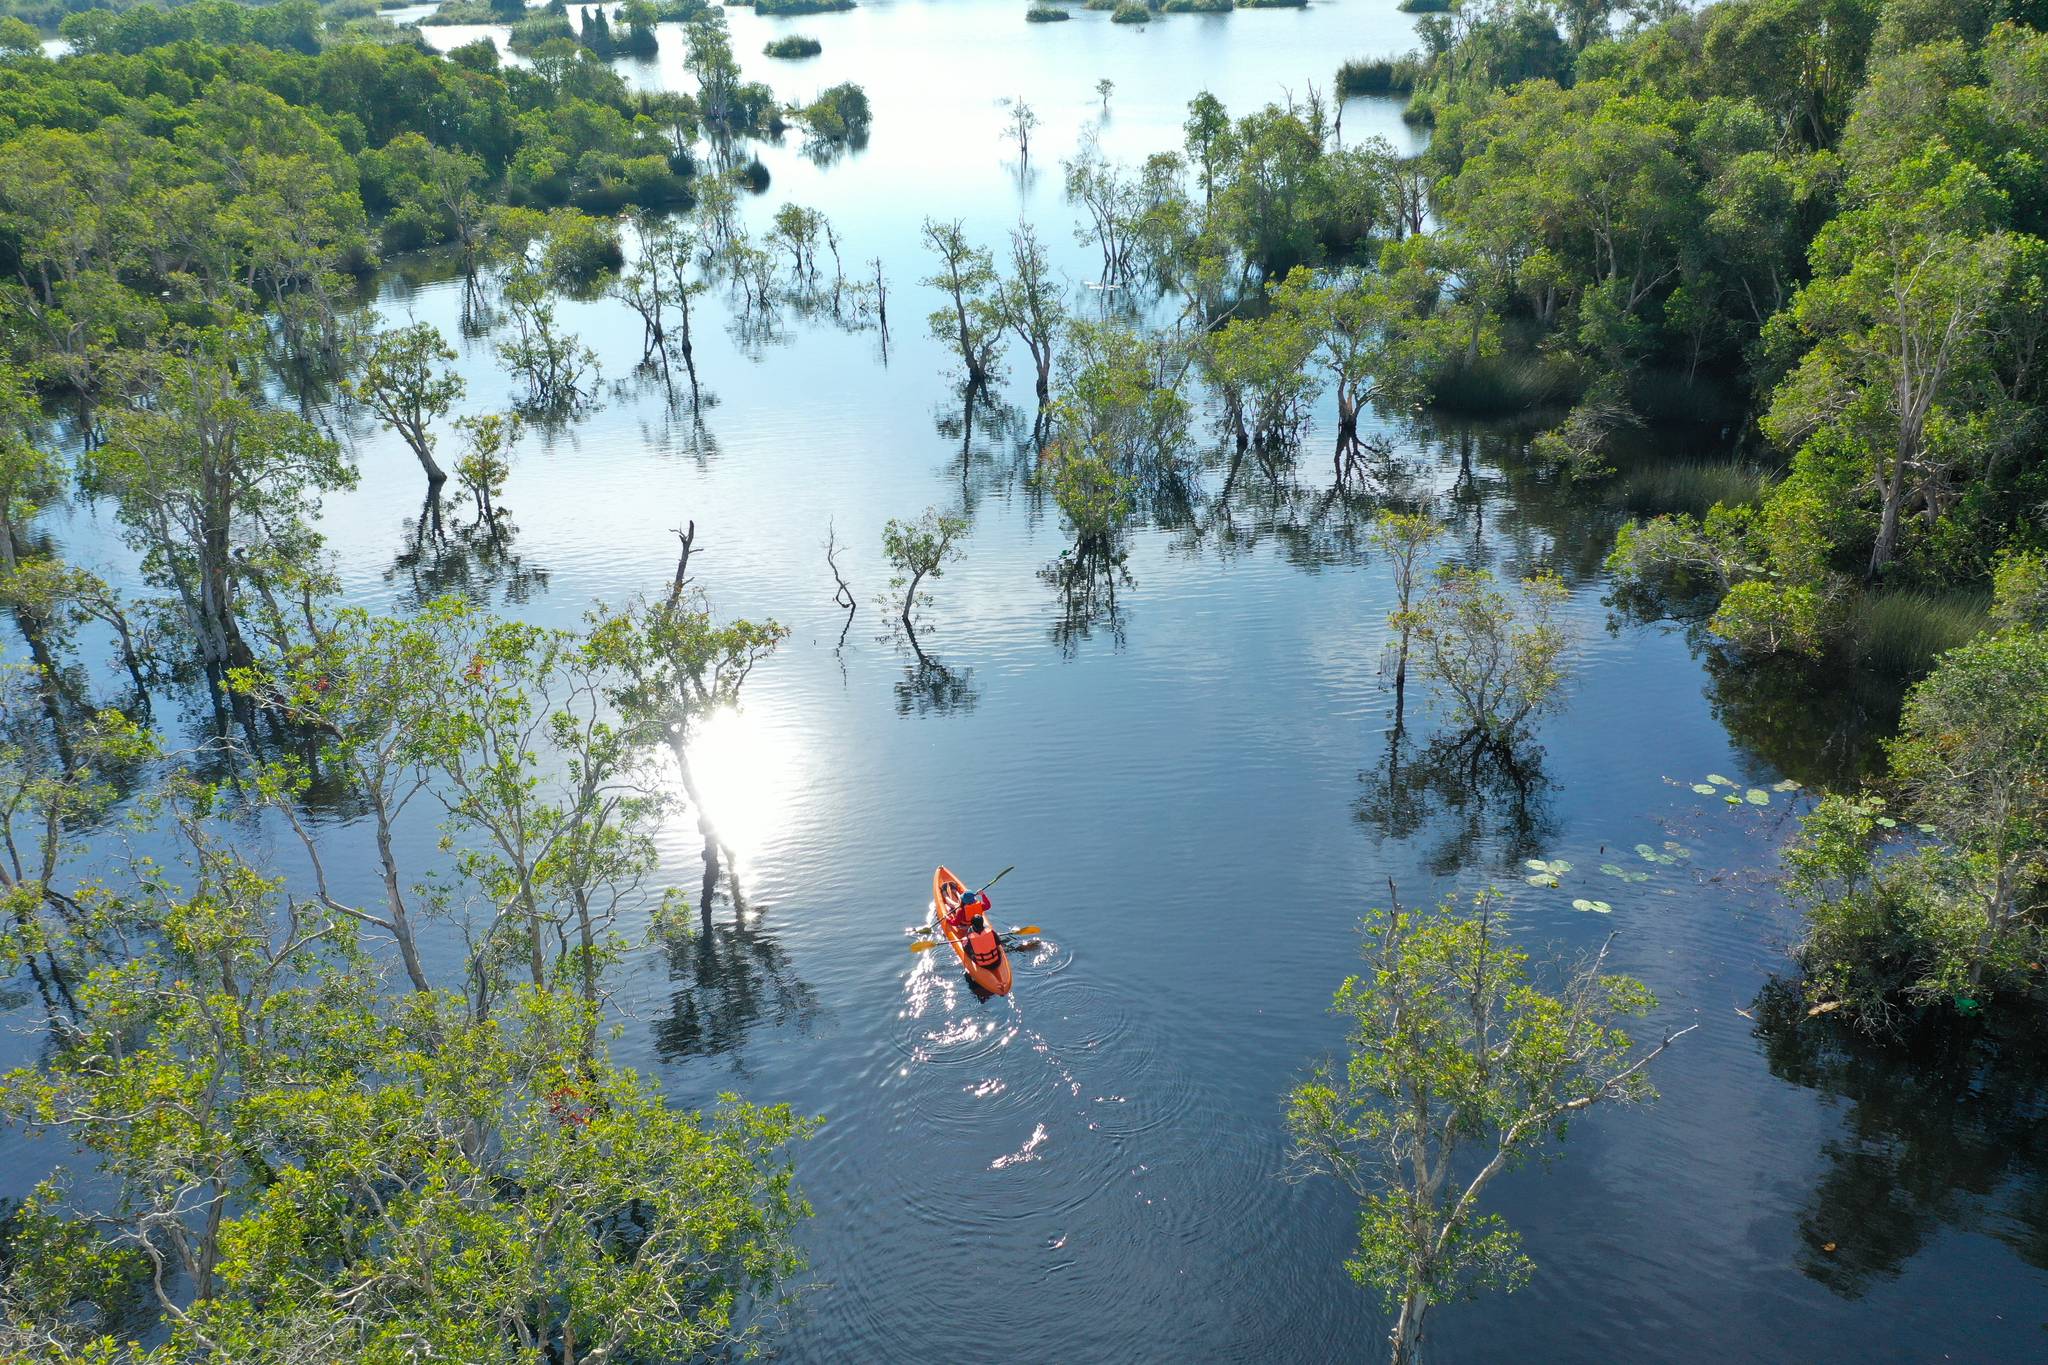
{"x": 919, "y": 551}
{"x": 1457, "y": 1058}
{"x": 972, "y": 320}
{"x": 1023, "y": 118}
{"x": 1031, "y": 306}
{"x": 1501, "y": 663}
{"x": 487, "y": 461}
{"x": 401, "y": 379}
{"x": 291, "y": 1165}
{"x": 217, "y": 489}
{"x": 1402, "y": 537}
{"x": 559, "y": 370}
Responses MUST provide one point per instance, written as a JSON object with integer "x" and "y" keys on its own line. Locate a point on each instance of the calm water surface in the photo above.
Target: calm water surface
{"x": 1197, "y": 792}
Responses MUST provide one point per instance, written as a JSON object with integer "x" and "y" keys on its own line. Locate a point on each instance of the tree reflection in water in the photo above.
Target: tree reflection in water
{"x": 1948, "y": 1132}
{"x": 1086, "y": 581}
{"x": 730, "y": 980}
{"x": 996, "y": 447}
{"x": 928, "y": 687}
{"x": 475, "y": 560}
{"x": 1468, "y": 791}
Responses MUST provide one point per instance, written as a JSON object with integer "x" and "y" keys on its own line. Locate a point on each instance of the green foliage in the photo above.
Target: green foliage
{"x": 1093, "y": 496}
{"x": 1121, "y": 396}
{"x": 2020, "y": 591}
{"x": 1762, "y": 617}
{"x": 1972, "y": 759}
{"x": 1887, "y": 935}
{"x": 1953, "y": 922}
{"x": 1046, "y": 14}
{"x": 1500, "y": 661}
{"x": 840, "y": 115}
{"x": 292, "y": 25}
{"x": 401, "y": 380}
{"x": 792, "y": 46}
{"x": 560, "y": 371}
{"x": 486, "y": 462}
{"x": 1460, "y": 1067}
{"x": 972, "y": 319}
{"x": 918, "y": 552}
{"x": 1131, "y": 12}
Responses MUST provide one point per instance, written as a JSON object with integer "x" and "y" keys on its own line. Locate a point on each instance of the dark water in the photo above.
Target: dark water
{"x": 1197, "y": 793}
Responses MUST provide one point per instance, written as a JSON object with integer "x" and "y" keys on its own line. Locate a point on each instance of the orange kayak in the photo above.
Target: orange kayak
{"x": 946, "y": 892}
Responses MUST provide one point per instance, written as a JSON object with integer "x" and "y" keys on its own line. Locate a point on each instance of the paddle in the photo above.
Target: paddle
{"x": 993, "y": 880}
{"x": 930, "y": 944}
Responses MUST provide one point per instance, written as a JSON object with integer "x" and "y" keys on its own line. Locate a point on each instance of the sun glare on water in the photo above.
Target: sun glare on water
{"x": 745, "y": 768}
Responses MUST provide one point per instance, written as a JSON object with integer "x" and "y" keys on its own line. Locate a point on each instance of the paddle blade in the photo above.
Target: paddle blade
{"x": 1027, "y": 929}
{"x": 926, "y": 947}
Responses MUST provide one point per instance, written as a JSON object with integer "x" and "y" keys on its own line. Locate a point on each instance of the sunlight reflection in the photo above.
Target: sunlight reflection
{"x": 745, "y": 769}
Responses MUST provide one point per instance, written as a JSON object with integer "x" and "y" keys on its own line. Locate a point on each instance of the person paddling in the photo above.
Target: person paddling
{"x": 972, "y": 903}
{"x": 984, "y": 946}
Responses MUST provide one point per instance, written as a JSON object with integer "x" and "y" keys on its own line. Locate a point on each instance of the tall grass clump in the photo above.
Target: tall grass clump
{"x": 1508, "y": 382}
{"x": 1378, "y": 76}
{"x": 1900, "y": 633}
{"x": 1692, "y": 486}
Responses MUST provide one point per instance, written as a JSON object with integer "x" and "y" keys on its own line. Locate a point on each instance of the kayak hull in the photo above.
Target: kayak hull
{"x": 946, "y": 892}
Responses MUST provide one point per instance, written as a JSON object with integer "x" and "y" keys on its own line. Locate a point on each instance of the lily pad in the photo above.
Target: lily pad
{"x": 1597, "y": 907}
{"x": 1732, "y": 799}
{"x": 1644, "y": 850}
{"x": 1720, "y": 781}
{"x": 1887, "y": 822}
{"x": 1704, "y": 788}
{"x": 1925, "y": 829}
{"x": 1757, "y": 796}
{"x": 1788, "y": 785}
{"x": 1542, "y": 879}
{"x": 1676, "y": 849}
{"x": 1616, "y": 870}
{"x": 1553, "y": 868}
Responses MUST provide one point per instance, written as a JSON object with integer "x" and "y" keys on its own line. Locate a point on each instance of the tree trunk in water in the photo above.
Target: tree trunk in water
{"x": 1406, "y": 1338}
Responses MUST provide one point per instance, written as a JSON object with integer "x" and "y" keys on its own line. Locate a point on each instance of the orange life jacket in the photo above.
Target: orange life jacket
{"x": 984, "y": 949}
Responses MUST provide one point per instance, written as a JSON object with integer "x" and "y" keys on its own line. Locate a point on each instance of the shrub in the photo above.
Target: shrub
{"x": 840, "y": 114}
{"x": 1046, "y": 14}
{"x": 1131, "y": 12}
{"x": 2019, "y": 588}
{"x": 1272, "y": 4}
{"x": 794, "y": 46}
{"x": 1764, "y": 617}
{"x": 1886, "y": 933}
{"x": 1425, "y": 6}
{"x": 787, "y": 7}
{"x": 1199, "y": 6}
